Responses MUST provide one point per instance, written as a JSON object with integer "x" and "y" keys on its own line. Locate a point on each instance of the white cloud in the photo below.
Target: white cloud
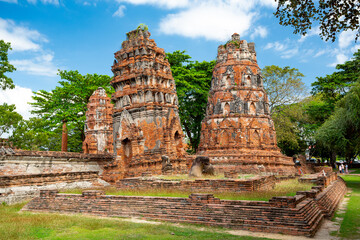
{"x": 320, "y": 53}
{"x": 120, "y": 11}
{"x": 340, "y": 59}
{"x": 21, "y": 38}
{"x": 355, "y": 48}
{"x": 210, "y": 19}
{"x": 41, "y": 65}
{"x": 312, "y": 32}
{"x": 169, "y": 4}
{"x": 54, "y": 2}
{"x": 286, "y": 50}
{"x": 277, "y": 46}
{"x": 9, "y": 1}
{"x": 259, "y": 31}
{"x": 346, "y": 38}
{"x": 19, "y": 96}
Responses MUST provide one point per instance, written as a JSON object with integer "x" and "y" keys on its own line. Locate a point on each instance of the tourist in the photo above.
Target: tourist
{"x": 340, "y": 168}
{"x": 346, "y": 168}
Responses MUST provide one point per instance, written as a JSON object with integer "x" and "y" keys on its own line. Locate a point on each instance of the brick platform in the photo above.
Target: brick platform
{"x": 300, "y": 215}
{"x": 201, "y": 185}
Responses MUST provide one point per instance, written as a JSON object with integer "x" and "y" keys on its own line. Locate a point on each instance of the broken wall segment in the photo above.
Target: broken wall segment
{"x": 237, "y": 132}
{"x": 99, "y": 124}
{"x": 146, "y": 118}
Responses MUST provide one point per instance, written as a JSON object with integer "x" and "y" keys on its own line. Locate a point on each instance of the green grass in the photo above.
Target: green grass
{"x": 284, "y": 188}
{"x": 350, "y": 226}
{"x": 25, "y": 225}
{"x": 356, "y": 171}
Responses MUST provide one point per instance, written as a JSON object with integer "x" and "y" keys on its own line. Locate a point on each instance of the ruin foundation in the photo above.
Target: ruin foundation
{"x": 298, "y": 215}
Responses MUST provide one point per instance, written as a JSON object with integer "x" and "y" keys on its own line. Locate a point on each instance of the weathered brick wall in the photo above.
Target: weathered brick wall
{"x": 298, "y": 215}
{"x": 201, "y": 185}
{"x": 46, "y": 178}
{"x": 22, "y": 162}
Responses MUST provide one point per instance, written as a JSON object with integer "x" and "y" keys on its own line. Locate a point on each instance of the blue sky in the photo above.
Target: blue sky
{"x": 47, "y": 35}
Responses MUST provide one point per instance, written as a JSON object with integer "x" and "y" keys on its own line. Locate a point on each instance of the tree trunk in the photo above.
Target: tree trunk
{"x": 64, "y": 139}
{"x": 333, "y": 159}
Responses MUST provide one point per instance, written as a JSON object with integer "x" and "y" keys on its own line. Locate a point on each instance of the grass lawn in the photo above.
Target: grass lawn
{"x": 283, "y": 188}
{"x": 350, "y": 227}
{"x": 25, "y": 225}
{"x": 355, "y": 171}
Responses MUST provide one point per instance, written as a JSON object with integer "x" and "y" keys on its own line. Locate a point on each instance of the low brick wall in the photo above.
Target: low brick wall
{"x": 46, "y": 178}
{"x": 319, "y": 178}
{"x": 21, "y": 162}
{"x": 201, "y": 185}
{"x": 298, "y": 215}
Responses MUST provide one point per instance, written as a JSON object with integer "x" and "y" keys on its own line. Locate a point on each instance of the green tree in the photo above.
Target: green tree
{"x": 5, "y": 66}
{"x": 333, "y": 16}
{"x": 67, "y": 103}
{"x": 35, "y": 134}
{"x": 193, "y": 80}
{"x": 283, "y": 86}
{"x": 328, "y": 91}
{"x": 8, "y": 118}
{"x": 341, "y": 132}
{"x": 334, "y": 86}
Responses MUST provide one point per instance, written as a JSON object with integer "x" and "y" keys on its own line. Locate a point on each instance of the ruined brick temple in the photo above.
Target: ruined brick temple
{"x": 99, "y": 124}
{"x": 237, "y": 132}
{"x": 146, "y": 119}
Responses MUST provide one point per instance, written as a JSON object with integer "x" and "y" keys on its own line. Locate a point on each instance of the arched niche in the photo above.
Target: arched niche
{"x": 126, "y": 146}
{"x": 252, "y": 108}
{"x": 227, "y": 109}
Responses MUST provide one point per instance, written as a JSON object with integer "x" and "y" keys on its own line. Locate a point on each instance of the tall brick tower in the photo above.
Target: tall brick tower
{"x": 237, "y": 132}
{"x": 146, "y": 119}
{"x": 99, "y": 124}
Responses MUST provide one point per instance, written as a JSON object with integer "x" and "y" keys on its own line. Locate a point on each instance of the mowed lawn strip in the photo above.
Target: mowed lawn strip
{"x": 26, "y": 225}
{"x": 350, "y": 226}
{"x": 283, "y": 188}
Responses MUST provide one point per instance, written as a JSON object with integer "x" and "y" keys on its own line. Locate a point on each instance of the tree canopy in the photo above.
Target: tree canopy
{"x": 8, "y": 118}
{"x": 333, "y": 16}
{"x": 193, "y": 80}
{"x": 341, "y": 132}
{"x": 67, "y": 103}
{"x": 5, "y": 66}
{"x": 283, "y": 86}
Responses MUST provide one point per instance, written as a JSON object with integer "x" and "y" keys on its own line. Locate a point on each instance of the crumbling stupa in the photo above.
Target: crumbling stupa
{"x": 99, "y": 124}
{"x": 237, "y": 132}
{"x": 146, "y": 119}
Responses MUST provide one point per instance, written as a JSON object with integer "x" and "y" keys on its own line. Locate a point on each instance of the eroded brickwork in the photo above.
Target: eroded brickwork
{"x": 146, "y": 119}
{"x": 237, "y": 131}
{"x": 99, "y": 124}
